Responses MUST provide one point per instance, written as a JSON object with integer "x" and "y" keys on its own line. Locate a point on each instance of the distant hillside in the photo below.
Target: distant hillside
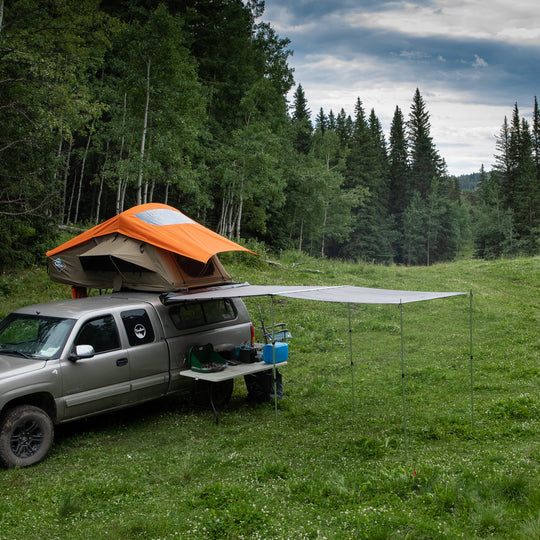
{"x": 468, "y": 182}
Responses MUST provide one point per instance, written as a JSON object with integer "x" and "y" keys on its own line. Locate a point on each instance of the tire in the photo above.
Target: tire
{"x": 26, "y": 436}
{"x": 221, "y": 393}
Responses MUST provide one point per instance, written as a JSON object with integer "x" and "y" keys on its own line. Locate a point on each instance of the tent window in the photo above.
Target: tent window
{"x": 109, "y": 263}
{"x": 163, "y": 216}
{"x": 195, "y": 269}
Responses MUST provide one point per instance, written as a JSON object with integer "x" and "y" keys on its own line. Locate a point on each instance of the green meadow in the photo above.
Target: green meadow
{"x": 378, "y": 444}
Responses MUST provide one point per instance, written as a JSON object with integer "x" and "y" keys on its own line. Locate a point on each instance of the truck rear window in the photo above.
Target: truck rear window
{"x": 191, "y": 314}
{"x": 138, "y": 327}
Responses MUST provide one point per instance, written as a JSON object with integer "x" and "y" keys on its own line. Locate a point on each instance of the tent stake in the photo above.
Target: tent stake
{"x": 403, "y": 381}
{"x": 352, "y": 363}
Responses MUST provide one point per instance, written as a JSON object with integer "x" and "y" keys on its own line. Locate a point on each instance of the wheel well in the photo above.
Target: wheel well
{"x": 42, "y": 400}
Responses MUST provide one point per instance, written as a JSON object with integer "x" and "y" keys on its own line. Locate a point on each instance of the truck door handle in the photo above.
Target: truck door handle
{"x": 122, "y": 362}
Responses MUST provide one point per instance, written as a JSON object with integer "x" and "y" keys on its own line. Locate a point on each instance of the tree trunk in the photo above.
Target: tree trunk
{"x": 102, "y": 181}
{"x": 122, "y": 194}
{"x": 225, "y": 221}
{"x": 145, "y": 128}
{"x": 166, "y": 201}
{"x": 324, "y": 227}
{"x": 121, "y": 181}
{"x": 83, "y": 164}
{"x": 241, "y": 200}
{"x": 56, "y": 173}
{"x": 65, "y": 180}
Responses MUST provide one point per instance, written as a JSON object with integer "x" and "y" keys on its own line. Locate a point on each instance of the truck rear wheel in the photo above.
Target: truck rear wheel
{"x": 26, "y": 436}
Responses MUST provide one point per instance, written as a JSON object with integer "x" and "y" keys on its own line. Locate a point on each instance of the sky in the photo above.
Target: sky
{"x": 472, "y": 61}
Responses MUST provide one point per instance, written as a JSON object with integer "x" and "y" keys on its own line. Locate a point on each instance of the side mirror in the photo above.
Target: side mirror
{"x": 82, "y": 351}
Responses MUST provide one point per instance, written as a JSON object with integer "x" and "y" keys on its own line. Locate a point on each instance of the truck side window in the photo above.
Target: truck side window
{"x": 138, "y": 327}
{"x": 101, "y": 333}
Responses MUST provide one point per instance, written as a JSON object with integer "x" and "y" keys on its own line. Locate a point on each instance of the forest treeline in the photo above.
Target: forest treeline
{"x": 108, "y": 104}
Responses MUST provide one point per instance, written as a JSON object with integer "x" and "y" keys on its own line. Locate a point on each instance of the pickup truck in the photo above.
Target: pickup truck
{"x": 66, "y": 360}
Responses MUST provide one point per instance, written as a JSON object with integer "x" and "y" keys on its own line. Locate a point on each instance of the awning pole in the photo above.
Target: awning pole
{"x": 351, "y": 356}
{"x": 471, "y": 357}
{"x": 403, "y": 379}
{"x": 274, "y": 375}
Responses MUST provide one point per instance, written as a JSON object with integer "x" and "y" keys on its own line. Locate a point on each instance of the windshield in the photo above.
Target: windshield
{"x": 34, "y": 336}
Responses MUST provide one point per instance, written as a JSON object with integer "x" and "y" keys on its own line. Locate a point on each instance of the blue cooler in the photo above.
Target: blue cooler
{"x": 282, "y": 352}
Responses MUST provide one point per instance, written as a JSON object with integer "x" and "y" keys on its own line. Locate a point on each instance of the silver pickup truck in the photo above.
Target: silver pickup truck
{"x": 65, "y": 360}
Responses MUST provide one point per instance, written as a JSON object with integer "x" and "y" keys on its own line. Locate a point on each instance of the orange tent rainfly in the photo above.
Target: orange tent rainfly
{"x": 148, "y": 247}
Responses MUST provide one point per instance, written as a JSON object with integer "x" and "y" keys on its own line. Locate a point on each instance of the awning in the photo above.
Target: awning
{"x": 346, "y": 294}
{"x": 341, "y": 293}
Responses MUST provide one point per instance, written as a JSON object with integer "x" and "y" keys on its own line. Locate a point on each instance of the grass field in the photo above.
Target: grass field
{"x": 404, "y": 459}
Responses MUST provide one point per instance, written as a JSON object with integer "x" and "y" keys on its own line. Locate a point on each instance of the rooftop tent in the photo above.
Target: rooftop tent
{"x": 151, "y": 247}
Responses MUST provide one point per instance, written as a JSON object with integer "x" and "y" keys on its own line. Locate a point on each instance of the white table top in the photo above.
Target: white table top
{"x": 231, "y": 371}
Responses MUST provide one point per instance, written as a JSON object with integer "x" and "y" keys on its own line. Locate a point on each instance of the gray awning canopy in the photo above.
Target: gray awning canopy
{"x": 344, "y": 293}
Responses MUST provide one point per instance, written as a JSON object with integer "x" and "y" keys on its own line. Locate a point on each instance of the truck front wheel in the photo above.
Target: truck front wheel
{"x": 26, "y": 435}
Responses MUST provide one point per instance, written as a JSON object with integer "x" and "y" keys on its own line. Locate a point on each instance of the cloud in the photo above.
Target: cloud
{"x": 479, "y": 62}
{"x": 497, "y": 20}
{"x": 471, "y": 59}
{"x": 414, "y": 55}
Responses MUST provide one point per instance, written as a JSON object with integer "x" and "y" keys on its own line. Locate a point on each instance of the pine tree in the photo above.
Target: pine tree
{"x": 426, "y": 164}
{"x": 381, "y": 149}
{"x": 511, "y": 146}
{"x": 302, "y": 128}
{"x": 343, "y": 128}
{"x": 331, "y": 121}
{"x": 399, "y": 166}
{"x": 398, "y": 179}
{"x": 366, "y": 163}
{"x": 517, "y": 168}
{"x": 536, "y": 135}
{"x": 431, "y": 185}
{"x": 526, "y": 200}
{"x": 493, "y": 232}
{"x": 321, "y": 122}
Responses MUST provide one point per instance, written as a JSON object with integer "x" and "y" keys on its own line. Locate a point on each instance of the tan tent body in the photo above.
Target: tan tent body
{"x": 135, "y": 250}
{"x": 118, "y": 262}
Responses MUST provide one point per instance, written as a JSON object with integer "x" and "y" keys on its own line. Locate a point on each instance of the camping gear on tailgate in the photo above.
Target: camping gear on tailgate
{"x": 203, "y": 359}
{"x": 281, "y": 350}
{"x": 247, "y": 355}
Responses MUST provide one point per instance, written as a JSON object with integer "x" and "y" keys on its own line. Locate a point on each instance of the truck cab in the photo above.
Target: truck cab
{"x": 74, "y": 358}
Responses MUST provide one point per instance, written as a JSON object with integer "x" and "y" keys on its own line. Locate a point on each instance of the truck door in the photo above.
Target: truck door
{"x": 101, "y": 382}
{"x": 148, "y": 356}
